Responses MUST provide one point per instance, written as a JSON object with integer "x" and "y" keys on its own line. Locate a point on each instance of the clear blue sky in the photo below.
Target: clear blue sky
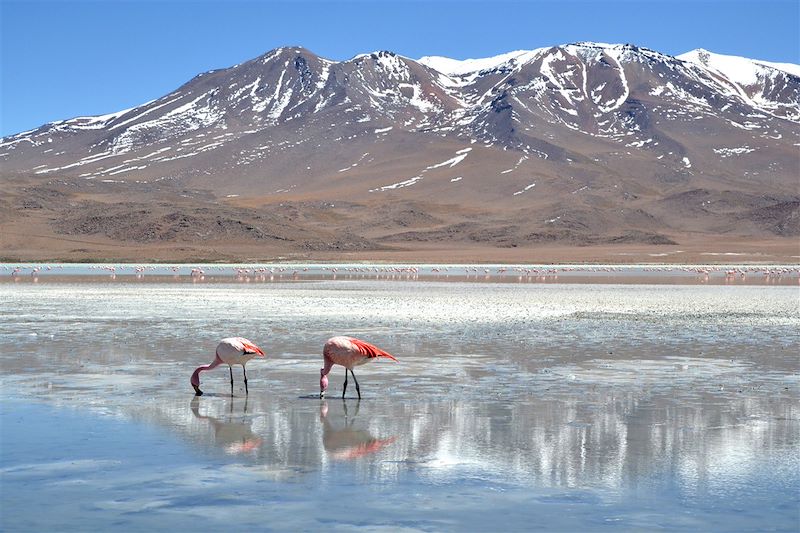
{"x": 62, "y": 59}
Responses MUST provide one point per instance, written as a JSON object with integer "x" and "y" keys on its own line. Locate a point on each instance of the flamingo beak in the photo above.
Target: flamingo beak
{"x": 321, "y": 394}
{"x": 197, "y": 391}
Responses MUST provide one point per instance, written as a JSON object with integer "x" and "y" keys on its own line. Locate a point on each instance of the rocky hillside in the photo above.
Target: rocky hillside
{"x": 587, "y": 144}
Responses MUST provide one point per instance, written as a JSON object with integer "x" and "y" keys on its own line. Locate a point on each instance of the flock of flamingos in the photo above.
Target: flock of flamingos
{"x": 522, "y": 273}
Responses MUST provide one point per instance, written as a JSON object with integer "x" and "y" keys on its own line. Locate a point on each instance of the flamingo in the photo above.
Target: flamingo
{"x": 230, "y": 351}
{"x": 348, "y": 352}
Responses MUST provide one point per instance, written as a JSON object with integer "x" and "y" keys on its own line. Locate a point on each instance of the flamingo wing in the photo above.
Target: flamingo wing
{"x": 370, "y": 350}
{"x": 249, "y": 347}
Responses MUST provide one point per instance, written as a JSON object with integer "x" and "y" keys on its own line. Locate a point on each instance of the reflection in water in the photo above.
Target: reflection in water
{"x": 348, "y": 442}
{"x": 615, "y": 441}
{"x": 675, "y": 398}
{"x": 233, "y": 432}
{"x": 625, "y": 456}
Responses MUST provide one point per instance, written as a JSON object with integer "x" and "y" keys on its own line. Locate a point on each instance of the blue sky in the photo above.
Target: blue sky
{"x": 62, "y": 59}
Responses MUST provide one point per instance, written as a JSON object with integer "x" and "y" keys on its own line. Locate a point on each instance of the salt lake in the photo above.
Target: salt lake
{"x": 521, "y": 400}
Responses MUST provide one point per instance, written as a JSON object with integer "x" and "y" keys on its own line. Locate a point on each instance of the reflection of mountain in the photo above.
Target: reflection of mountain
{"x": 233, "y": 432}
{"x": 348, "y": 442}
{"x": 598, "y": 439}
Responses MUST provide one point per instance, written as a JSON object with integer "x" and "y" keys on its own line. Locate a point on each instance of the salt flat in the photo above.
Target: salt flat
{"x": 514, "y": 406}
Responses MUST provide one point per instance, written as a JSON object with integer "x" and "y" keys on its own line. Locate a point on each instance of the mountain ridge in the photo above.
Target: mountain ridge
{"x": 585, "y": 143}
{"x": 489, "y": 62}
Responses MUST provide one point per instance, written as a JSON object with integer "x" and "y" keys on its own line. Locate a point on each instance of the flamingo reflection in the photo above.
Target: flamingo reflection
{"x": 232, "y": 433}
{"x": 348, "y": 442}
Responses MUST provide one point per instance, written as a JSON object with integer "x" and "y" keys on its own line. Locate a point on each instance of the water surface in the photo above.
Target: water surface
{"x": 514, "y": 406}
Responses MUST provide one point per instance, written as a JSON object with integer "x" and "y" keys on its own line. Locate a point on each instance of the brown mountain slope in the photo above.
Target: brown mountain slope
{"x": 583, "y": 151}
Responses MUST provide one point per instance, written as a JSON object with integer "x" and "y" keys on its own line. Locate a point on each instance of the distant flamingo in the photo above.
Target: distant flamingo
{"x": 348, "y": 352}
{"x": 230, "y": 351}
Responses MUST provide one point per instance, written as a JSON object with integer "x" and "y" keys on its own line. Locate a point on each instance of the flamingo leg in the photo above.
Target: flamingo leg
{"x": 231, "y": 369}
{"x": 358, "y": 390}
{"x": 344, "y": 389}
{"x": 245, "y": 379}
{"x": 350, "y": 421}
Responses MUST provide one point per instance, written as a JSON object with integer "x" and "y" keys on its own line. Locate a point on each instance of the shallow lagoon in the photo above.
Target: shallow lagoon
{"x": 514, "y": 407}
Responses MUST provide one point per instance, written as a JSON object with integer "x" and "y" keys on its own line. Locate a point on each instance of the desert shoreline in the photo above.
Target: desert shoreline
{"x": 36, "y": 246}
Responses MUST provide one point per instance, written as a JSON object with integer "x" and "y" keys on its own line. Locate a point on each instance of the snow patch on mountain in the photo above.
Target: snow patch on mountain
{"x": 738, "y": 69}
{"x": 728, "y": 152}
{"x": 525, "y": 189}
{"x": 530, "y": 103}
{"x": 450, "y": 163}
{"x": 461, "y": 67}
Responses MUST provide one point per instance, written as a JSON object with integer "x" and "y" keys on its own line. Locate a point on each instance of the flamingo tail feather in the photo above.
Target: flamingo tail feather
{"x": 370, "y": 350}
{"x": 252, "y": 348}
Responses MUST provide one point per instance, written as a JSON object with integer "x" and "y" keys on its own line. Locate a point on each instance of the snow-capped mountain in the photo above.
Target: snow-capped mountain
{"x": 771, "y": 87}
{"x": 565, "y": 131}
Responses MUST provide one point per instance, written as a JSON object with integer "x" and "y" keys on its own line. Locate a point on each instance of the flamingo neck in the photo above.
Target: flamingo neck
{"x": 323, "y": 376}
{"x": 327, "y": 368}
{"x": 196, "y": 375}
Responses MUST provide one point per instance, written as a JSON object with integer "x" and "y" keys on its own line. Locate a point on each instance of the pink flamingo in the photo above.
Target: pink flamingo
{"x": 348, "y": 352}
{"x": 230, "y": 351}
